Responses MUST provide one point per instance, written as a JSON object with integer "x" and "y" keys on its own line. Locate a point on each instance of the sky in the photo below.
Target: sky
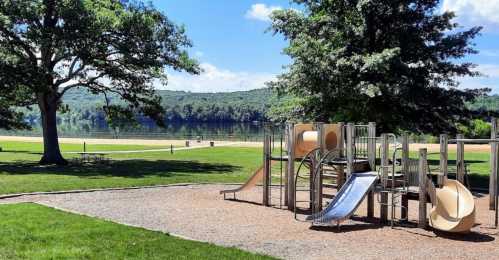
{"x": 237, "y": 53}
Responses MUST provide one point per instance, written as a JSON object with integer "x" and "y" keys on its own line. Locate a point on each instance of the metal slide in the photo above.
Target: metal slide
{"x": 347, "y": 199}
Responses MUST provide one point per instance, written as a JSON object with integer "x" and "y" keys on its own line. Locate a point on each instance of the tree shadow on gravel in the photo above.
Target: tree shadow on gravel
{"x": 123, "y": 168}
{"x": 468, "y": 237}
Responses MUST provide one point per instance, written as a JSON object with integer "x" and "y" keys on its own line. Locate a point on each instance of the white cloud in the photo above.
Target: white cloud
{"x": 261, "y": 12}
{"x": 489, "y": 80}
{"x": 474, "y": 12}
{"x": 214, "y": 79}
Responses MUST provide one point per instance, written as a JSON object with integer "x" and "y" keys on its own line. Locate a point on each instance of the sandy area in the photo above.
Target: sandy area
{"x": 199, "y": 212}
{"x": 147, "y": 142}
{"x": 413, "y": 147}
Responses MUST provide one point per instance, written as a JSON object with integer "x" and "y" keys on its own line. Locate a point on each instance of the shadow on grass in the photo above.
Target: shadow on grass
{"x": 21, "y": 151}
{"x": 125, "y": 168}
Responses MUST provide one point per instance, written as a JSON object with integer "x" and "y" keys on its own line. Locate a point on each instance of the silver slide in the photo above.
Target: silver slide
{"x": 347, "y": 199}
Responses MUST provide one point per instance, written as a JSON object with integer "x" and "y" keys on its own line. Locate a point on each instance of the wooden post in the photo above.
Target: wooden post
{"x": 493, "y": 166}
{"x": 341, "y": 170}
{"x": 460, "y": 159}
{"x": 321, "y": 139}
{"x": 404, "y": 210}
{"x": 444, "y": 156}
{"x": 384, "y": 178}
{"x": 266, "y": 170}
{"x": 371, "y": 153}
{"x": 422, "y": 169}
{"x": 171, "y": 148}
{"x": 84, "y": 147}
{"x": 291, "y": 167}
{"x": 350, "y": 145}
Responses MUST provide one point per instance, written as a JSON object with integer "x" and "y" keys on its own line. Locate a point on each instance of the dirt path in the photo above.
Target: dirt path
{"x": 200, "y": 213}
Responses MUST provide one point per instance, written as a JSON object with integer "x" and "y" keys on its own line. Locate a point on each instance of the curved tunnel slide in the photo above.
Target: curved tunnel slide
{"x": 455, "y": 208}
{"x": 347, "y": 200}
{"x": 251, "y": 182}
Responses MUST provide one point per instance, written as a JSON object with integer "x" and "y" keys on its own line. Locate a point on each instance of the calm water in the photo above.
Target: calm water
{"x": 207, "y": 131}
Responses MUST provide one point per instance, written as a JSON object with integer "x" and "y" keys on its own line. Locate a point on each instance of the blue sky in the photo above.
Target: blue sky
{"x": 237, "y": 54}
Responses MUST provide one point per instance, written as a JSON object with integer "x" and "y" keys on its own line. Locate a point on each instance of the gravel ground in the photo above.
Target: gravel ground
{"x": 198, "y": 212}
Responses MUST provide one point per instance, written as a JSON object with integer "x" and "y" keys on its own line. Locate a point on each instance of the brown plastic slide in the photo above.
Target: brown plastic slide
{"x": 252, "y": 181}
{"x": 455, "y": 208}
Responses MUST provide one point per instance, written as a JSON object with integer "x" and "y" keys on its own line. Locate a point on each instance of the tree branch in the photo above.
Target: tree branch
{"x": 21, "y": 43}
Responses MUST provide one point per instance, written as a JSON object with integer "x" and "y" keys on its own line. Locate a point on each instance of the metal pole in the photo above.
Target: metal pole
{"x": 291, "y": 167}
{"x": 493, "y": 166}
{"x": 384, "y": 178}
{"x": 371, "y": 148}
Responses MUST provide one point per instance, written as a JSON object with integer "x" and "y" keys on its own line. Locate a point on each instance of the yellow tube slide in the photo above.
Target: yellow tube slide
{"x": 455, "y": 208}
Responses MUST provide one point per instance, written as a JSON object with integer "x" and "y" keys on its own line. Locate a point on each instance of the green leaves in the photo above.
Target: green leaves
{"x": 393, "y": 62}
{"x": 107, "y": 46}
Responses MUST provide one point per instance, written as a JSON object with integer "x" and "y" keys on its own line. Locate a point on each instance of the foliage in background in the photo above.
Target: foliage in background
{"x": 391, "y": 62}
{"x": 476, "y": 128}
{"x": 49, "y": 47}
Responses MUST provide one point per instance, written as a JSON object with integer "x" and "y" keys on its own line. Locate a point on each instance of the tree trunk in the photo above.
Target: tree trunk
{"x": 48, "y": 109}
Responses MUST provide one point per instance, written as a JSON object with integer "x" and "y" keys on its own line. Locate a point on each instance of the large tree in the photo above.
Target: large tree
{"x": 48, "y": 47}
{"x": 394, "y": 62}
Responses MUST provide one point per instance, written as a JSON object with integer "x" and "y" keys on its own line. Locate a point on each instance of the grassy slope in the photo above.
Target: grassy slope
{"x": 29, "y": 231}
{"x": 19, "y": 171}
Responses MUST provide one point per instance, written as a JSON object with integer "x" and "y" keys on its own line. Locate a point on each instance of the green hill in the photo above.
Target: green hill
{"x": 243, "y": 106}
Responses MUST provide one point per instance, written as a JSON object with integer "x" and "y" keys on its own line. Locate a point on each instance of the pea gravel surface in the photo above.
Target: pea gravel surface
{"x": 199, "y": 212}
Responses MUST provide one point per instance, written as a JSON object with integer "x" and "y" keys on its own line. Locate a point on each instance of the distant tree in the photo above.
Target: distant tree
{"x": 389, "y": 61}
{"x": 48, "y": 47}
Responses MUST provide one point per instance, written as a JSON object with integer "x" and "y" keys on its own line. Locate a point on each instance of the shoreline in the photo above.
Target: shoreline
{"x": 176, "y": 142}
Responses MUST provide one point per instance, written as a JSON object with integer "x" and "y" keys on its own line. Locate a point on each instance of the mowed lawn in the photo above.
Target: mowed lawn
{"x": 19, "y": 171}
{"x": 30, "y": 231}
{"x": 478, "y": 165}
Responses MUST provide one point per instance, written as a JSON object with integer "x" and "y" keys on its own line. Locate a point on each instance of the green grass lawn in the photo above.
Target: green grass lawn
{"x": 19, "y": 171}
{"x": 34, "y": 147}
{"x": 30, "y": 231}
{"x": 478, "y": 166}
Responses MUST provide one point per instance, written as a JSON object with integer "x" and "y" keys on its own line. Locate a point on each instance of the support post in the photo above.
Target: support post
{"x": 291, "y": 167}
{"x": 384, "y": 179}
{"x": 350, "y": 145}
{"x": 493, "y": 166}
{"x": 444, "y": 156}
{"x": 341, "y": 170}
{"x": 371, "y": 154}
{"x": 460, "y": 159}
{"x": 422, "y": 169}
{"x": 266, "y": 170}
{"x": 321, "y": 138}
{"x": 404, "y": 210}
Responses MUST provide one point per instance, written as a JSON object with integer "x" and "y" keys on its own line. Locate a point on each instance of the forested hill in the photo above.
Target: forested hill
{"x": 181, "y": 106}
{"x": 488, "y": 103}
{"x": 243, "y": 106}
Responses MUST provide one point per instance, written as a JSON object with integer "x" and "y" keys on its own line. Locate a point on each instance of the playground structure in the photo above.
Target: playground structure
{"x": 358, "y": 165}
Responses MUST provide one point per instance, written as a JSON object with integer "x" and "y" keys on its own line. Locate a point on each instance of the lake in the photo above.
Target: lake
{"x": 185, "y": 130}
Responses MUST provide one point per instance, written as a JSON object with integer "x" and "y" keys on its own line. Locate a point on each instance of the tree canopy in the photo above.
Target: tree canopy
{"x": 394, "y": 62}
{"x": 48, "y": 47}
